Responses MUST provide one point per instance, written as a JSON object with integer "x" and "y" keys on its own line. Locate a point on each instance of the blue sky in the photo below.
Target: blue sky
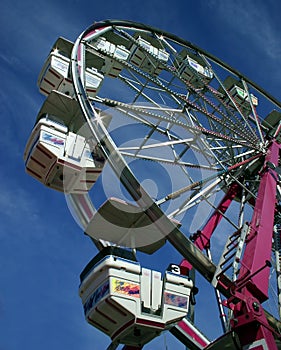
{"x": 42, "y": 250}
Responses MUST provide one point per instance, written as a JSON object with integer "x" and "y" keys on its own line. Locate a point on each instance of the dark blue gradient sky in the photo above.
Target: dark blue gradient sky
{"x": 42, "y": 250}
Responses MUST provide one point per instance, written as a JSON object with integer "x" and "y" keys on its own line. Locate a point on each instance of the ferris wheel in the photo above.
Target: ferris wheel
{"x": 155, "y": 141}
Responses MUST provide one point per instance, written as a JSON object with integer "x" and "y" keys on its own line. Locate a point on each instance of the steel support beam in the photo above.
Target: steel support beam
{"x": 202, "y": 237}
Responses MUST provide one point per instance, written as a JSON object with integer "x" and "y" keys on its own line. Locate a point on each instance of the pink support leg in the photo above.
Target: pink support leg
{"x": 251, "y": 287}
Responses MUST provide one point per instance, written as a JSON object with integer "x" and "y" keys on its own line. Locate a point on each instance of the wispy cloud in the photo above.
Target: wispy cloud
{"x": 17, "y": 207}
{"x": 253, "y": 21}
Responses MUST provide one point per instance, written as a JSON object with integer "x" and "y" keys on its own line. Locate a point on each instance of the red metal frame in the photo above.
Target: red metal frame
{"x": 201, "y": 238}
{"x": 251, "y": 287}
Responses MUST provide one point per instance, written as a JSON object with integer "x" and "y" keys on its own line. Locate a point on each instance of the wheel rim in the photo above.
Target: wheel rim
{"x": 190, "y": 130}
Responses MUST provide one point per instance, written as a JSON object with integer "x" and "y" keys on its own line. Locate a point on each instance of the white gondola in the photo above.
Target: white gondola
{"x": 148, "y": 63}
{"x": 111, "y": 67}
{"x": 129, "y": 303}
{"x": 55, "y": 74}
{"x": 239, "y": 95}
{"x": 193, "y": 67}
{"x": 57, "y": 153}
{"x": 272, "y": 124}
{"x": 127, "y": 225}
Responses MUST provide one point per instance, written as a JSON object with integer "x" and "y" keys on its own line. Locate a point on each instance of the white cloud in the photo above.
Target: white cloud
{"x": 252, "y": 21}
{"x": 17, "y": 207}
